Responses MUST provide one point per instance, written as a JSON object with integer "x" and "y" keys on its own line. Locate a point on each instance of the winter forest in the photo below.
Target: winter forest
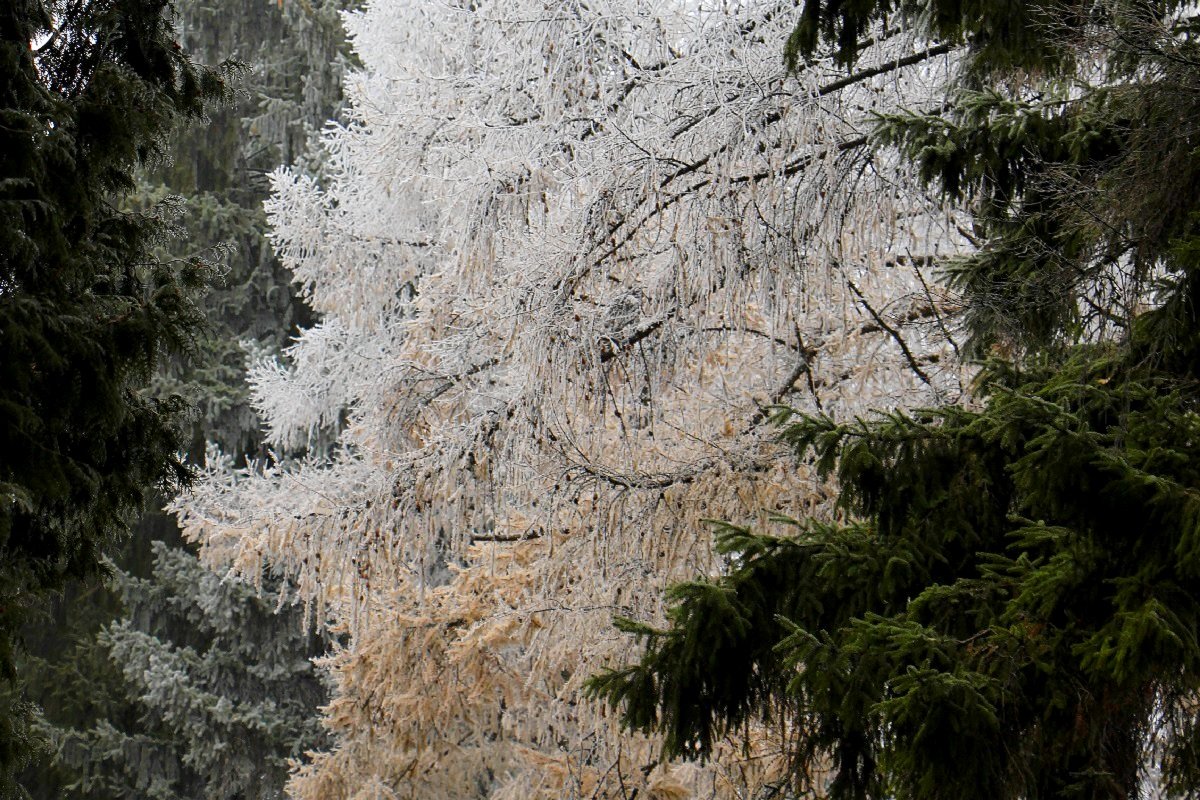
{"x": 599, "y": 399}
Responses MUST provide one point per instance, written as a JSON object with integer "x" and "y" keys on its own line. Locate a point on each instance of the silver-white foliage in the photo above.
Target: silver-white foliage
{"x": 213, "y": 694}
{"x": 566, "y": 255}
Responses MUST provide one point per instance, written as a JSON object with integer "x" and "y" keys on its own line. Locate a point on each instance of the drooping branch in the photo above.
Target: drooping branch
{"x": 789, "y": 169}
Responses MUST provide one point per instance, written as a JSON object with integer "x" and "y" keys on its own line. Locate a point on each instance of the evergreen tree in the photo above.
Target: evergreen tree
{"x": 295, "y": 55}
{"x": 225, "y": 690}
{"x": 88, "y": 93}
{"x": 67, "y": 671}
{"x": 1005, "y": 606}
{"x": 112, "y": 744}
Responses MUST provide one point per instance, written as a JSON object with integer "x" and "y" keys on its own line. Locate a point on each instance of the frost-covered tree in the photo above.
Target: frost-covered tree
{"x": 294, "y": 56}
{"x": 224, "y": 690}
{"x": 567, "y": 255}
{"x": 1006, "y": 606}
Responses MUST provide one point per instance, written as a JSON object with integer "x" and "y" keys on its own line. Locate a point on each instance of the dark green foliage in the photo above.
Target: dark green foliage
{"x": 1079, "y": 168}
{"x": 1002, "y": 36}
{"x": 86, "y": 309}
{"x": 1007, "y": 607}
{"x": 1015, "y": 606}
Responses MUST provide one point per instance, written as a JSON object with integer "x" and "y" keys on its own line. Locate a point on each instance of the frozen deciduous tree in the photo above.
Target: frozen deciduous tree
{"x": 566, "y": 256}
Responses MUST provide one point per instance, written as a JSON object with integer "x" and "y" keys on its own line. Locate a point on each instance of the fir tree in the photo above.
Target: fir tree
{"x": 88, "y": 92}
{"x": 225, "y": 690}
{"x": 1005, "y": 606}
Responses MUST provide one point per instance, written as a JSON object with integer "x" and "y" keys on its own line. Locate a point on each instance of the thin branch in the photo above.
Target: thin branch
{"x": 610, "y": 347}
{"x": 933, "y": 304}
{"x": 887, "y": 66}
{"x": 753, "y": 332}
{"x": 789, "y": 169}
{"x": 528, "y": 535}
{"x": 908, "y": 355}
{"x": 800, "y": 369}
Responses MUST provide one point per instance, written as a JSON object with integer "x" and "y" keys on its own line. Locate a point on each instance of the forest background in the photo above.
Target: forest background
{"x": 617, "y": 239}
